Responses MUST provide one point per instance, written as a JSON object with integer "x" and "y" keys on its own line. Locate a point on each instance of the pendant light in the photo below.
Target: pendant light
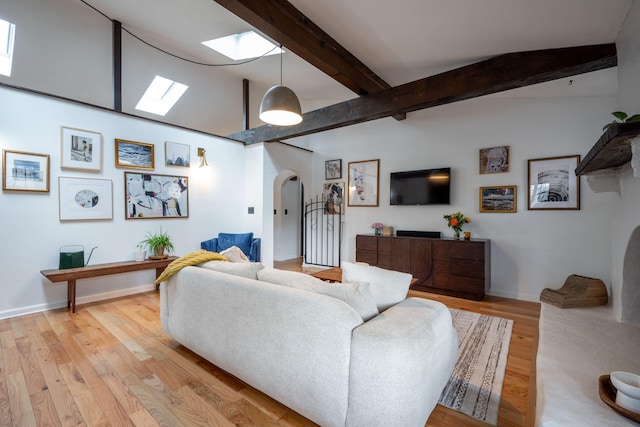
{"x": 280, "y": 105}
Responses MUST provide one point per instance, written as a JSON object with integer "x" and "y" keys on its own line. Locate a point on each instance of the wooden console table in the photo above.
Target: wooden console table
{"x": 70, "y": 275}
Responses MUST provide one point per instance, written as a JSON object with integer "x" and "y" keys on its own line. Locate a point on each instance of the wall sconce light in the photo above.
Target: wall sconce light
{"x": 203, "y": 157}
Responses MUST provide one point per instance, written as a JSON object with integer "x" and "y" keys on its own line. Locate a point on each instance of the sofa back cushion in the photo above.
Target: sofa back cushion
{"x": 357, "y": 295}
{"x": 244, "y": 269}
{"x": 241, "y": 240}
{"x": 388, "y": 287}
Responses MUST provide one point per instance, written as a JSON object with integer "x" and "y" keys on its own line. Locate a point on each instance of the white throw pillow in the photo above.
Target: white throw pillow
{"x": 234, "y": 254}
{"x": 388, "y": 287}
{"x": 357, "y": 295}
{"x": 248, "y": 270}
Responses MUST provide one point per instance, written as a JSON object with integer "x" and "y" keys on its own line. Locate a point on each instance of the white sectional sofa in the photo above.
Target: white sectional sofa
{"x": 321, "y": 349}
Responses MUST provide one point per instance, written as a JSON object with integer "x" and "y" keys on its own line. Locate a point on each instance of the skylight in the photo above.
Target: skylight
{"x": 7, "y": 35}
{"x": 161, "y": 95}
{"x": 243, "y": 46}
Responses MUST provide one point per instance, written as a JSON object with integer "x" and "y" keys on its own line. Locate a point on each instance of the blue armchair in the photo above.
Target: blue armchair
{"x": 249, "y": 245}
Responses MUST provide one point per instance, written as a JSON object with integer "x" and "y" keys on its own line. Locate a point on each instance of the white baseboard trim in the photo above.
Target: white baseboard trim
{"x": 511, "y": 295}
{"x": 6, "y": 314}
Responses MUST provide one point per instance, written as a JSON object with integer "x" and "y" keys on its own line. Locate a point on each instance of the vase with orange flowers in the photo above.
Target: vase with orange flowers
{"x": 456, "y": 221}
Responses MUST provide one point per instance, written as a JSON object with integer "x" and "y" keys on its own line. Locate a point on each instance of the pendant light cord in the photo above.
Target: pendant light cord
{"x": 281, "y": 64}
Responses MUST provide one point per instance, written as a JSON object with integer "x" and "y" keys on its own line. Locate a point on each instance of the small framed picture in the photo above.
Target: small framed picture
{"x": 494, "y": 159}
{"x": 176, "y": 154}
{"x": 553, "y": 183}
{"x": 149, "y": 196}
{"x": 364, "y": 183}
{"x": 85, "y": 199}
{"x": 333, "y": 169}
{"x": 25, "y": 171}
{"x": 81, "y": 150}
{"x": 503, "y": 199}
{"x": 134, "y": 155}
{"x": 333, "y": 197}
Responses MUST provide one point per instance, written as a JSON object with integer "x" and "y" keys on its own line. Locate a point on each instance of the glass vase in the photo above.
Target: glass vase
{"x": 456, "y": 234}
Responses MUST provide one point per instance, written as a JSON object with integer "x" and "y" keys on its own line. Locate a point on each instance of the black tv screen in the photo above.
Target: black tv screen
{"x": 423, "y": 187}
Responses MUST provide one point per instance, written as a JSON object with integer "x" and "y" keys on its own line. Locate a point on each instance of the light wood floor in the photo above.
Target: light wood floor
{"x": 111, "y": 364}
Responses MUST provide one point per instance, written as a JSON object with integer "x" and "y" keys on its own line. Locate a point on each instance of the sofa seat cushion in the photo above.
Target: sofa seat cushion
{"x": 241, "y": 240}
{"x": 388, "y": 287}
{"x": 244, "y": 269}
{"x": 357, "y": 295}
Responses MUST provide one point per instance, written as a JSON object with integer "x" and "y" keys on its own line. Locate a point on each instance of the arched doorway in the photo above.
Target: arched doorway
{"x": 287, "y": 216}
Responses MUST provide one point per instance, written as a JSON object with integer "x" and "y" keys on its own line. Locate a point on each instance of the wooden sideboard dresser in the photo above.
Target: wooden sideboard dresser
{"x": 459, "y": 268}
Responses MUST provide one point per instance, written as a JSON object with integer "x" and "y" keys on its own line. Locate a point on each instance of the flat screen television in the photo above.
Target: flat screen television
{"x": 423, "y": 187}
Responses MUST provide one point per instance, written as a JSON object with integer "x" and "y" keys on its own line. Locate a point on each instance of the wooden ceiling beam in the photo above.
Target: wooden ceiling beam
{"x": 281, "y": 21}
{"x": 503, "y": 72}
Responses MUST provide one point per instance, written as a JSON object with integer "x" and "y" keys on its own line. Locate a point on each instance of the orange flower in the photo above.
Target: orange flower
{"x": 454, "y": 222}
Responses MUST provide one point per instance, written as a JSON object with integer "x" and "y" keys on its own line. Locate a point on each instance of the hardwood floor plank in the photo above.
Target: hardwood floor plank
{"x": 22, "y": 411}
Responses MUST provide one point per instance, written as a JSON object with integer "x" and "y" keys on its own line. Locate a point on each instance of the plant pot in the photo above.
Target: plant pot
{"x": 140, "y": 255}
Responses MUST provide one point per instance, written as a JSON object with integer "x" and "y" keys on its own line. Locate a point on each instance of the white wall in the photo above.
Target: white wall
{"x": 531, "y": 250}
{"x": 627, "y": 217}
{"x": 32, "y": 233}
{"x": 287, "y": 231}
{"x": 65, "y": 48}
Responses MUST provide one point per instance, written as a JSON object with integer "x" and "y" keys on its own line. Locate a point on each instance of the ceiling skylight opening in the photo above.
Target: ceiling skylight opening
{"x": 161, "y": 95}
{"x": 243, "y": 46}
{"x": 7, "y": 35}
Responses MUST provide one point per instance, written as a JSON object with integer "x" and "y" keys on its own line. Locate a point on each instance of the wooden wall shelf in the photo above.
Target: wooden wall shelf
{"x": 612, "y": 149}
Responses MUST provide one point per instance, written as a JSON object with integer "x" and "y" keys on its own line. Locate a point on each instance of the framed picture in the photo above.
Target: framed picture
{"x": 134, "y": 155}
{"x": 176, "y": 154}
{"x": 85, "y": 199}
{"x": 25, "y": 171}
{"x": 553, "y": 183}
{"x": 494, "y": 159}
{"x": 80, "y": 150}
{"x": 333, "y": 169}
{"x": 502, "y": 199}
{"x": 364, "y": 183}
{"x": 333, "y": 198}
{"x": 155, "y": 196}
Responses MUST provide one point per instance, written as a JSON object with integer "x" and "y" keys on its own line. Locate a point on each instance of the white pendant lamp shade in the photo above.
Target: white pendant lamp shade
{"x": 280, "y": 106}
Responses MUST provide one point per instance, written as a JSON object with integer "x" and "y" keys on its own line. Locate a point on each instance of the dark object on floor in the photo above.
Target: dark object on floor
{"x": 577, "y": 291}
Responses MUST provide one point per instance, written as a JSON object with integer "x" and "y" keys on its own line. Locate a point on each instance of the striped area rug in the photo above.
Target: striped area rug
{"x": 476, "y": 383}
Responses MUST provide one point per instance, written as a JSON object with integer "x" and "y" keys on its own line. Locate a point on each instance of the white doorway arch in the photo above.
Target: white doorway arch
{"x": 288, "y": 190}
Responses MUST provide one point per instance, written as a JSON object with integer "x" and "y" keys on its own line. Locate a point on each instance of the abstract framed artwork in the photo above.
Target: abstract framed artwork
{"x": 134, "y": 155}
{"x": 553, "y": 183}
{"x": 150, "y": 196}
{"x": 333, "y": 198}
{"x": 177, "y": 155}
{"x": 494, "y": 160}
{"x": 502, "y": 199}
{"x": 24, "y": 171}
{"x": 333, "y": 169}
{"x": 85, "y": 199}
{"x": 364, "y": 183}
{"x": 80, "y": 150}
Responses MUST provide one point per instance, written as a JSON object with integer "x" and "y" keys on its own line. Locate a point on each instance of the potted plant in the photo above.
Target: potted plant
{"x": 158, "y": 243}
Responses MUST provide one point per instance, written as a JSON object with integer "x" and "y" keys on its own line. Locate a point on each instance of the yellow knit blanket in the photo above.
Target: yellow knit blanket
{"x": 192, "y": 258}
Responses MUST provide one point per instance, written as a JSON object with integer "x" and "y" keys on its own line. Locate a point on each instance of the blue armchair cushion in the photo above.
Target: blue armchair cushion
{"x": 242, "y": 240}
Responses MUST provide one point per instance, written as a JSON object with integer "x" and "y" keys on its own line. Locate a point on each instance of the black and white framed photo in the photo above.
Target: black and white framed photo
{"x": 134, "y": 155}
{"x": 85, "y": 199}
{"x": 494, "y": 159}
{"x": 80, "y": 150}
{"x": 150, "y": 196}
{"x": 553, "y": 183}
{"x": 176, "y": 154}
{"x": 333, "y": 169}
{"x": 24, "y": 171}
